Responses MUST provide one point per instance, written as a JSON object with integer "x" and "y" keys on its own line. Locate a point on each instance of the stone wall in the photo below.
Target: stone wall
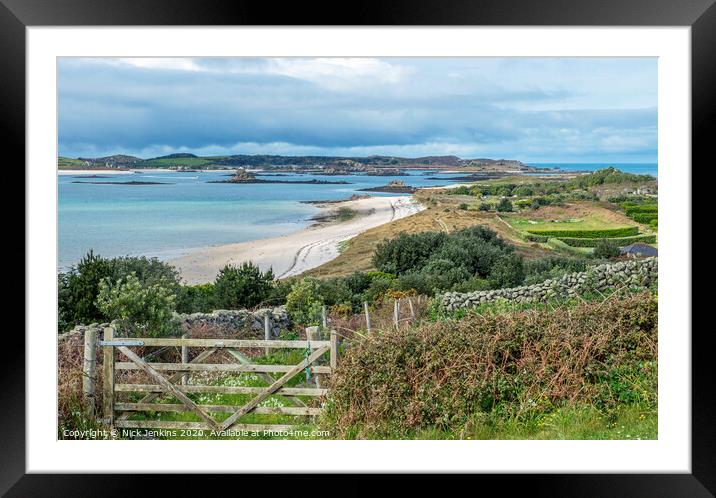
{"x": 229, "y": 320}
{"x": 226, "y": 320}
{"x": 637, "y": 273}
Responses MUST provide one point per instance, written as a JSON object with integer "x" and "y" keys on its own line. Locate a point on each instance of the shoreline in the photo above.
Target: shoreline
{"x": 292, "y": 254}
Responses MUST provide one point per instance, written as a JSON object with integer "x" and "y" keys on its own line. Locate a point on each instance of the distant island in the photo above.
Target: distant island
{"x": 243, "y": 176}
{"x": 325, "y": 165}
{"x": 393, "y": 187}
{"x": 133, "y": 182}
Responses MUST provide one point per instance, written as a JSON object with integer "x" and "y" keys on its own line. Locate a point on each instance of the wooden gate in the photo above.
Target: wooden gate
{"x": 171, "y": 378}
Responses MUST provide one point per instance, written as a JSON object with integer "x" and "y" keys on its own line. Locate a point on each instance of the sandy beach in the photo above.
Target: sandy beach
{"x": 297, "y": 252}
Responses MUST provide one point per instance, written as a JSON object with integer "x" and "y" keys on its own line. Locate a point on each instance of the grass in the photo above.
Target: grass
{"x": 578, "y": 422}
{"x": 303, "y": 425}
{"x": 593, "y": 222}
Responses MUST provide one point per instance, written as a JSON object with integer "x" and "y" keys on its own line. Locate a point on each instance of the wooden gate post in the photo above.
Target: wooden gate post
{"x": 334, "y": 351}
{"x": 396, "y": 313}
{"x": 314, "y": 334}
{"x": 267, "y": 333}
{"x": 89, "y": 371}
{"x": 108, "y": 380}
{"x": 412, "y": 310}
{"x": 185, "y": 359}
{"x": 367, "y": 316}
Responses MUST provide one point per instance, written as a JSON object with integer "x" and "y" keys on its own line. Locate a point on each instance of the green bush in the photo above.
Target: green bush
{"x": 406, "y": 252}
{"x": 141, "y": 310}
{"x": 508, "y": 271}
{"x": 512, "y": 364}
{"x": 606, "y": 249}
{"x": 196, "y": 298}
{"x": 485, "y": 206}
{"x": 588, "y": 234}
{"x": 433, "y": 261}
{"x": 645, "y": 218}
{"x": 304, "y": 303}
{"x": 78, "y": 288}
{"x": 244, "y": 286}
{"x": 620, "y": 241}
{"x": 463, "y": 206}
{"x": 504, "y": 206}
{"x": 536, "y": 238}
{"x": 552, "y": 267}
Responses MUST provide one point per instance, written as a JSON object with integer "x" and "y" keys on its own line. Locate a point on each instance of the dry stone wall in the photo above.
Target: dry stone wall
{"x": 240, "y": 319}
{"x": 637, "y": 273}
{"x": 227, "y": 320}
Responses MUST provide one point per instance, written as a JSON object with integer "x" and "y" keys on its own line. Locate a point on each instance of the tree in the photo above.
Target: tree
{"x": 304, "y": 302}
{"x": 144, "y": 310}
{"x": 504, "y": 205}
{"x": 78, "y": 289}
{"x": 507, "y": 272}
{"x": 242, "y": 287}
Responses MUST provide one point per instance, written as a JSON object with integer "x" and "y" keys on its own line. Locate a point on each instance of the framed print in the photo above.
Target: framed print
{"x": 455, "y": 230}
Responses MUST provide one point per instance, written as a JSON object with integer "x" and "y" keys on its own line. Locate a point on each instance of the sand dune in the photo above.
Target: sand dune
{"x": 297, "y": 252}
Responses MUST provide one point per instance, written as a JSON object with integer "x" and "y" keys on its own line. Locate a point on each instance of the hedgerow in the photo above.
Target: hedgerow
{"x": 589, "y": 234}
{"x": 536, "y": 238}
{"x": 621, "y": 241}
{"x": 512, "y": 364}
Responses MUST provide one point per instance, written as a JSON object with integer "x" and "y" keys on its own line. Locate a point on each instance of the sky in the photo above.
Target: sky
{"x": 531, "y": 109}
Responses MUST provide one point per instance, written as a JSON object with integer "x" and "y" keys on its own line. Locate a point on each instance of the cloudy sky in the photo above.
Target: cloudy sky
{"x": 531, "y": 109}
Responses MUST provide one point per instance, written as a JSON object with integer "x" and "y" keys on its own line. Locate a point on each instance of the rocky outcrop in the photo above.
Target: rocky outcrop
{"x": 633, "y": 274}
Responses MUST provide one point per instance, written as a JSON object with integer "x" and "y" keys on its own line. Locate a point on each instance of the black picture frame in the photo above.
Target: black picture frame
{"x": 700, "y": 15}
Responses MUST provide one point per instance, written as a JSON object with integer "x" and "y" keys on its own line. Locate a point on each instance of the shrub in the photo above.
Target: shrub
{"x": 196, "y": 298}
{"x": 463, "y": 206}
{"x": 420, "y": 282}
{"x": 78, "y": 288}
{"x": 406, "y": 252}
{"x": 553, "y": 267}
{"x": 304, "y": 303}
{"x": 620, "y": 241}
{"x": 536, "y": 238}
{"x": 606, "y": 249}
{"x": 512, "y": 364}
{"x": 242, "y": 287}
{"x": 507, "y": 272}
{"x": 377, "y": 290}
{"x": 504, "y": 206}
{"x": 144, "y": 310}
{"x": 588, "y": 234}
{"x": 485, "y": 206}
{"x": 645, "y": 218}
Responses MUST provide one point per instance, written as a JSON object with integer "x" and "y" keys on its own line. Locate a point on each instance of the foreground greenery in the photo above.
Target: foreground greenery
{"x": 503, "y": 370}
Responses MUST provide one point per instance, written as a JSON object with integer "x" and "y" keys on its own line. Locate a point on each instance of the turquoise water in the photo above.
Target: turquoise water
{"x": 188, "y": 213}
{"x": 169, "y": 220}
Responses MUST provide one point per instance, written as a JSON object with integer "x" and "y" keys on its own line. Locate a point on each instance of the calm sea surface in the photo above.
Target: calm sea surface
{"x": 188, "y": 213}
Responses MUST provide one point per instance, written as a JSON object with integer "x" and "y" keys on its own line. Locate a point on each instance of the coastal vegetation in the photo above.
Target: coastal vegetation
{"x": 503, "y": 372}
{"x": 577, "y": 367}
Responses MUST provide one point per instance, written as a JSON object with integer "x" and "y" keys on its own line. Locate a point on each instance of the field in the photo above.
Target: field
{"x": 443, "y": 212}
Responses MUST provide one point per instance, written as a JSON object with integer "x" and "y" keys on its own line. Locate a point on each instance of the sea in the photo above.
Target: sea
{"x": 184, "y": 212}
